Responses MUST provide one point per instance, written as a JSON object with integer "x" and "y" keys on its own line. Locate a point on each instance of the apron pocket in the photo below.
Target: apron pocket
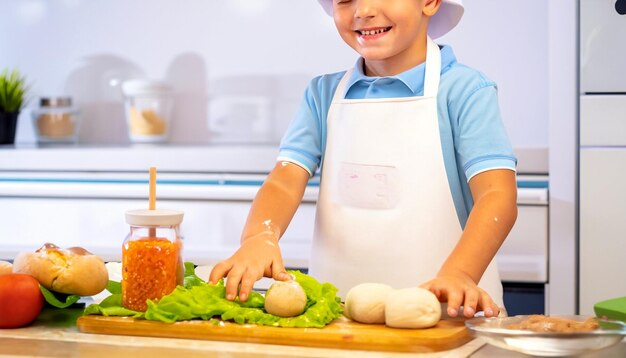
{"x": 367, "y": 186}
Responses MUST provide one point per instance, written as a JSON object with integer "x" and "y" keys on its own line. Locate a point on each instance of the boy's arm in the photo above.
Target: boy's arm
{"x": 272, "y": 209}
{"x": 492, "y": 217}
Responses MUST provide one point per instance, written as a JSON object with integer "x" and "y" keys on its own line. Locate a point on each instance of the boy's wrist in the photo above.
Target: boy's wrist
{"x": 455, "y": 272}
{"x": 267, "y": 230}
{"x": 269, "y": 236}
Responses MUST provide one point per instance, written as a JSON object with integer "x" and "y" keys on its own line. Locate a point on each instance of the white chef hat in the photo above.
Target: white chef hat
{"x": 445, "y": 19}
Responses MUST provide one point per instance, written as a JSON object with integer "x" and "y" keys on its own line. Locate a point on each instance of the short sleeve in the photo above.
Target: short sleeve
{"x": 481, "y": 140}
{"x": 304, "y": 141}
{"x": 301, "y": 143}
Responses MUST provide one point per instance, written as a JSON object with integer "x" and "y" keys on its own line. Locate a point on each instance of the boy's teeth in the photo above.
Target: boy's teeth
{"x": 372, "y": 32}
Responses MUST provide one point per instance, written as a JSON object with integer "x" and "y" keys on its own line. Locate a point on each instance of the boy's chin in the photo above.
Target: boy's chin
{"x": 374, "y": 54}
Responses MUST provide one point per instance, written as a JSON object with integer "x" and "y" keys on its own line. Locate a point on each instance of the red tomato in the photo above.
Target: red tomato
{"x": 21, "y": 300}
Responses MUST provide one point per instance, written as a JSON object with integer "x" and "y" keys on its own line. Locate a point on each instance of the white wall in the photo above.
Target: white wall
{"x": 258, "y": 51}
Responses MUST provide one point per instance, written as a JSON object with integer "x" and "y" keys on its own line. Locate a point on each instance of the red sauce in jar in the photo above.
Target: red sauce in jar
{"x": 150, "y": 268}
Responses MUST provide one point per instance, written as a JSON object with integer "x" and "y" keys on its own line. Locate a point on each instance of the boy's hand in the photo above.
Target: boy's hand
{"x": 460, "y": 290}
{"x": 258, "y": 256}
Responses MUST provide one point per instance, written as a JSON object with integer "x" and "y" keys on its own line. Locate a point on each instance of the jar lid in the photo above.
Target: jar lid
{"x": 55, "y": 101}
{"x": 139, "y": 87}
{"x": 158, "y": 217}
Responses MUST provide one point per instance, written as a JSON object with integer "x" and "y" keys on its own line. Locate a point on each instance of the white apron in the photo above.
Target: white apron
{"x": 385, "y": 212}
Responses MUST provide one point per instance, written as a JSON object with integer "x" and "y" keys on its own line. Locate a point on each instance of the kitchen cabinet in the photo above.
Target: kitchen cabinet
{"x": 523, "y": 255}
{"x": 602, "y": 121}
{"x": 78, "y": 196}
{"x": 87, "y": 209}
{"x": 602, "y": 154}
{"x": 211, "y": 228}
{"x": 602, "y": 225}
{"x": 81, "y": 200}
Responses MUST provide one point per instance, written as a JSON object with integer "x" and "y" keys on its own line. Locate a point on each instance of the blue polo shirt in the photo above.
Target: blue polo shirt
{"x": 473, "y": 137}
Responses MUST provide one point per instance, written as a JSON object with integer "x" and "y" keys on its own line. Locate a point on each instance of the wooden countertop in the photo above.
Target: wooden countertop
{"x": 43, "y": 341}
{"x": 55, "y": 334}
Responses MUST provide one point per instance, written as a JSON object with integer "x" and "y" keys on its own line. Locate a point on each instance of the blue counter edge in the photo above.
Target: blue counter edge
{"x": 527, "y": 184}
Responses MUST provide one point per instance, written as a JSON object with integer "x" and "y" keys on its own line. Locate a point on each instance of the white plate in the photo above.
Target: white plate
{"x": 547, "y": 344}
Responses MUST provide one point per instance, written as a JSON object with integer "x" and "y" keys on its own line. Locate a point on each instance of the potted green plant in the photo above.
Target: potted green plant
{"x": 13, "y": 90}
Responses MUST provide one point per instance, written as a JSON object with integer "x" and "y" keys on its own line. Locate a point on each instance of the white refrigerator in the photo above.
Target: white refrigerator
{"x": 602, "y": 150}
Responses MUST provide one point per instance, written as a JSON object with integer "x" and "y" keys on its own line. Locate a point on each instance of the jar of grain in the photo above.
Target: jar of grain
{"x": 56, "y": 120}
{"x": 148, "y": 105}
{"x": 152, "y": 264}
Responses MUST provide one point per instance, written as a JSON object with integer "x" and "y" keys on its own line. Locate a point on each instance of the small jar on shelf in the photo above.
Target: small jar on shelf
{"x": 56, "y": 120}
{"x": 148, "y": 106}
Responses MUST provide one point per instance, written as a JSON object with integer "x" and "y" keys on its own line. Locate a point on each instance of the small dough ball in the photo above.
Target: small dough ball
{"x": 5, "y": 268}
{"x": 365, "y": 303}
{"x": 285, "y": 299}
{"x": 73, "y": 271}
{"x": 412, "y": 308}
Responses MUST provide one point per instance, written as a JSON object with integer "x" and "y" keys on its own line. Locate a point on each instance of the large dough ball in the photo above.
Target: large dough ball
{"x": 365, "y": 303}
{"x": 412, "y": 308}
{"x": 285, "y": 299}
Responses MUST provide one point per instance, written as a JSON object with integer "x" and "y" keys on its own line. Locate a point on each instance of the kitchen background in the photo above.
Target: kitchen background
{"x": 240, "y": 57}
{"x": 238, "y": 69}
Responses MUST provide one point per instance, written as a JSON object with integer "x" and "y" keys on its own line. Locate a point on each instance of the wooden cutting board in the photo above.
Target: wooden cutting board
{"x": 340, "y": 334}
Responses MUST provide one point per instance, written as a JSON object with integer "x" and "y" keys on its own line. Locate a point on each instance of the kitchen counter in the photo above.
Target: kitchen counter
{"x": 48, "y": 337}
{"x": 56, "y": 342}
{"x": 45, "y": 341}
{"x": 256, "y": 158}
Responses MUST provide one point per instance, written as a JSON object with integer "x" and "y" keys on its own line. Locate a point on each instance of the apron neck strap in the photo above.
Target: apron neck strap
{"x": 433, "y": 69}
{"x": 341, "y": 87}
{"x": 431, "y": 76}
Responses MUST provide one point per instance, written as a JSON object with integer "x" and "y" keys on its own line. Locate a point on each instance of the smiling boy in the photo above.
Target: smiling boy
{"x": 417, "y": 174}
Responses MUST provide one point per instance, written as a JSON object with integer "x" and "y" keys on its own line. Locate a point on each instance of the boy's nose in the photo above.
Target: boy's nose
{"x": 365, "y": 8}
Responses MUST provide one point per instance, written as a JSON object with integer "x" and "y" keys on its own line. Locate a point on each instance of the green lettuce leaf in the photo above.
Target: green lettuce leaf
{"x": 206, "y": 301}
{"x": 198, "y": 299}
{"x": 191, "y": 279}
{"x": 58, "y": 300}
{"x": 111, "y": 306}
{"x": 114, "y": 287}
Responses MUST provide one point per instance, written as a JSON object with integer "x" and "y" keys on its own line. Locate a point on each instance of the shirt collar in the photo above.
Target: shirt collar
{"x": 413, "y": 78}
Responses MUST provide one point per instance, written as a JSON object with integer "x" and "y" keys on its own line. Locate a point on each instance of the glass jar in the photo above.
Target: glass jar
{"x": 56, "y": 120}
{"x": 148, "y": 105}
{"x": 152, "y": 264}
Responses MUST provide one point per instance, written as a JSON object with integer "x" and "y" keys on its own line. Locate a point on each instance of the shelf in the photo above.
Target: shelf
{"x": 138, "y": 158}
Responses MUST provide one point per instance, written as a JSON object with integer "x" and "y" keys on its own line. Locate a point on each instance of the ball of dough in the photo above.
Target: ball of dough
{"x": 285, "y": 299}
{"x": 365, "y": 303}
{"x": 70, "y": 271}
{"x": 5, "y": 268}
{"x": 412, "y": 308}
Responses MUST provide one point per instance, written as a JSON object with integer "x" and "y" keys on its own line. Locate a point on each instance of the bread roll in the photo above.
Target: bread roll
{"x": 5, "y": 268}
{"x": 73, "y": 271}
